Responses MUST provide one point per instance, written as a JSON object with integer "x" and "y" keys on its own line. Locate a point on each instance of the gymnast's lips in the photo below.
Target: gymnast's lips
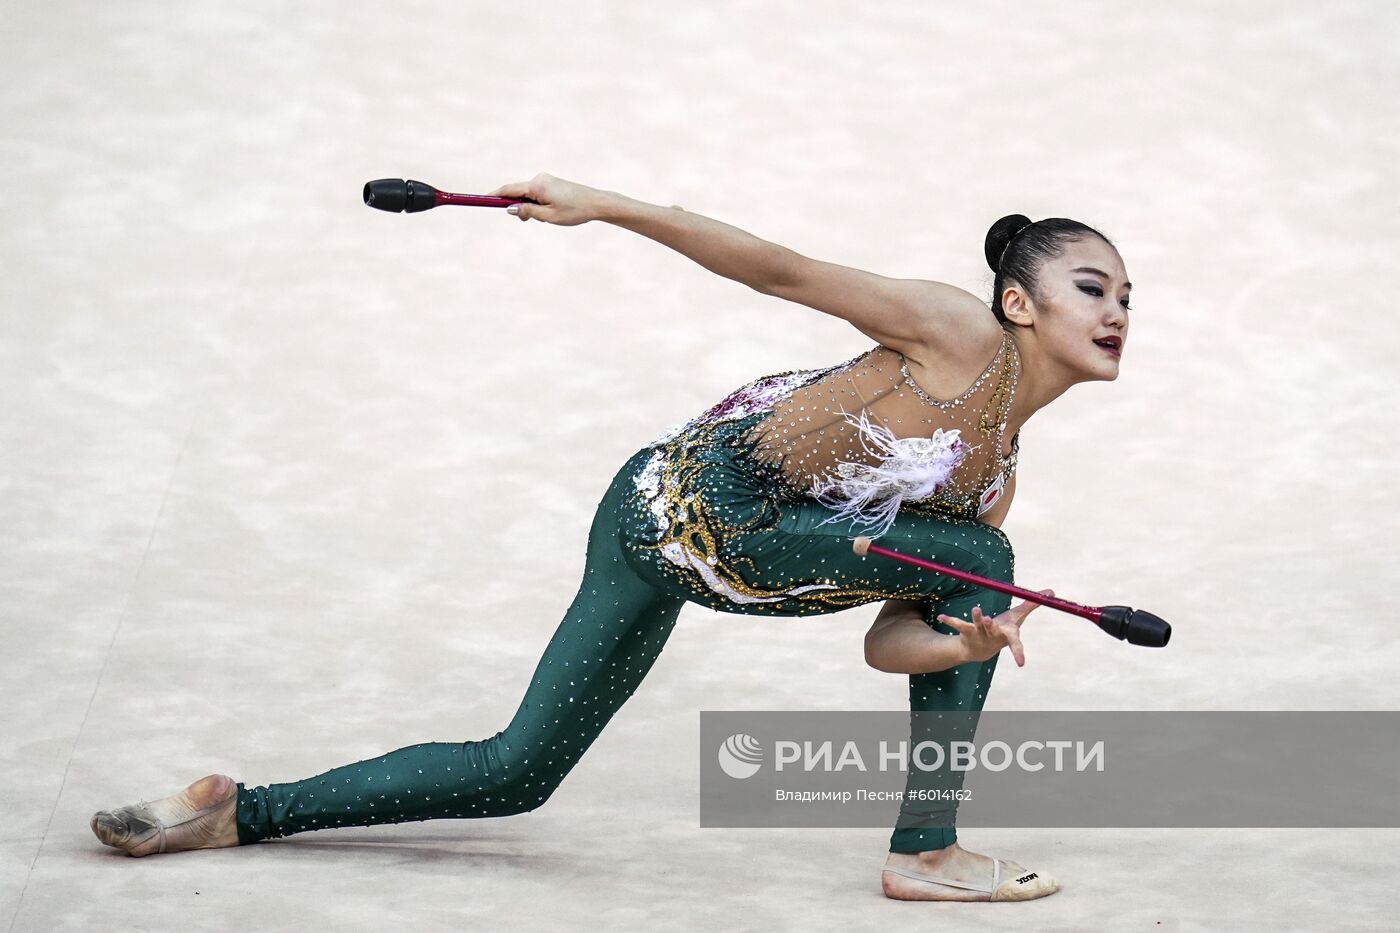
{"x": 1112, "y": 343}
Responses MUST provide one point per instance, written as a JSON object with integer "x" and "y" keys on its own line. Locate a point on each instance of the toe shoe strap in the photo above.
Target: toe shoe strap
{"x": 952, "y": 883}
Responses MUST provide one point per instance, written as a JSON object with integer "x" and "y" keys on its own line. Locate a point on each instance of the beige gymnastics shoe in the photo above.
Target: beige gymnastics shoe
{"x": 199, "y": 817}
{"x": 1023, "y": 887}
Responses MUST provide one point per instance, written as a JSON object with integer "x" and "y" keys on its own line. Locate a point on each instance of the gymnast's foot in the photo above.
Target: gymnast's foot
{"x": 925, "y": 876}
{"x": 199, "y": 817}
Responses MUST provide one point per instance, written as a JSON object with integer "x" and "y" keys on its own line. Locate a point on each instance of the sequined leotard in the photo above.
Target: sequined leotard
{"x": 732, "y": 510}
{"x": 852, "y": 446}
{"x": 818, "y": 435}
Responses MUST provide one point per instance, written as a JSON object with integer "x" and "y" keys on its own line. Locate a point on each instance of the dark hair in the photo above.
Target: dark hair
{"x": 1018, "y": 247}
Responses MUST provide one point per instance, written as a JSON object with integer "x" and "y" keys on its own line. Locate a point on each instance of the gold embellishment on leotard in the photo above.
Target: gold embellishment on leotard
{"x": 993, "y": 416}
{"x": 690, "y": 535}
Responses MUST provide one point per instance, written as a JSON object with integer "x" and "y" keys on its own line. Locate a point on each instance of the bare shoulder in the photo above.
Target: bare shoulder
{"x": 957, "y": 336}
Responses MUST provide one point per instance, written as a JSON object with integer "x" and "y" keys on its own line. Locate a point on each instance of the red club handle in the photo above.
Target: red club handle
{"x": 1135, "y": 626}
{"x": 477, "y": 200}
{"x": 863, "y": 545}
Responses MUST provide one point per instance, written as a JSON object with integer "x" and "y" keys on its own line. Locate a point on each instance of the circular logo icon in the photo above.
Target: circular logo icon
{"x": 740, "y": 755}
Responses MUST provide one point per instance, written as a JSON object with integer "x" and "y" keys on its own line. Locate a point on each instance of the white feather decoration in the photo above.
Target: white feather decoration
{"x": 910, "y": 468}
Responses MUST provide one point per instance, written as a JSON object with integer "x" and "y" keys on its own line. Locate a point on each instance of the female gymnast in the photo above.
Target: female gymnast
{"x": 750, "y": 507}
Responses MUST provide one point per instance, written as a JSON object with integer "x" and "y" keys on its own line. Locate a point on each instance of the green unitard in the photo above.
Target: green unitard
{"x": 692, "y": 517}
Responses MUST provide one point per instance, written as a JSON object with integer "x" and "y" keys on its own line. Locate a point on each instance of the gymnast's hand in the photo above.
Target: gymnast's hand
{"x": 558, "y": 201}
{"x": 983, "y": 637}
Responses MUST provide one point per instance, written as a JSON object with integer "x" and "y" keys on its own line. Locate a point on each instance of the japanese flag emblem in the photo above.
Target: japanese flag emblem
{"x": 992, "y": 494}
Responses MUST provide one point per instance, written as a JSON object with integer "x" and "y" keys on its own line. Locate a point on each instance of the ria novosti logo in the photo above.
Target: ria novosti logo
{"x": 740, "y": 755}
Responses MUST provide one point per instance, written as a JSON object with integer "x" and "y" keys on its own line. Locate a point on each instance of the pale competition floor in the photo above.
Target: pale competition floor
{"x": 285, "y": 482}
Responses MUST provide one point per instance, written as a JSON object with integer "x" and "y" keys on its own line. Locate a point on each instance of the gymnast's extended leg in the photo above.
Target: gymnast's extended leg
{"x": 606, "y": 643}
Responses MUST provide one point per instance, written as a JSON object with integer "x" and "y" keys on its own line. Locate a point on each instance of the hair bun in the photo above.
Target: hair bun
{"x": 1001, "y": 233}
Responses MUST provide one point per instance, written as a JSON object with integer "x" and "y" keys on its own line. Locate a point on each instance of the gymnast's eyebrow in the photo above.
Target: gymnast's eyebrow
{"x": 1099, "y": 272}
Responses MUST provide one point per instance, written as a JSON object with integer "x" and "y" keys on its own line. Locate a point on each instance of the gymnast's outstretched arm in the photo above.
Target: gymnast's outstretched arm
{"x": 907, "y": 315}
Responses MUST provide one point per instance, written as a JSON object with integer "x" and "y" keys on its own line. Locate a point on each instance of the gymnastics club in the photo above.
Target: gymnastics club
{"x": 1135, "y": 626}
{"x": 410, "y": 197}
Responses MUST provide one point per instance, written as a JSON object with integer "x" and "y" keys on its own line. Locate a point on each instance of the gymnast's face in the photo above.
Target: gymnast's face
{"x": 1082, "y": 305}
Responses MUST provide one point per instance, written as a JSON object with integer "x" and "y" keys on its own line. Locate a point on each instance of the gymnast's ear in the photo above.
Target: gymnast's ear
{"x": 1017, "y": 305}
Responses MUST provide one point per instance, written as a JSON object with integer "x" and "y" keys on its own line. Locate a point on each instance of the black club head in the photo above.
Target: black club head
{"x": 1135, "y": 626}
{"x": 398, "y": 195}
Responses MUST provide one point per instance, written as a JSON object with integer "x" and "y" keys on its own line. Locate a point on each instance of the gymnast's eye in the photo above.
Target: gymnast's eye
{"x": 1092, "y": 290}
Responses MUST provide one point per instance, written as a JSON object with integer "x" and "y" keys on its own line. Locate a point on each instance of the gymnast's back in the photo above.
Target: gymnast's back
{"x": 865, "y": 438}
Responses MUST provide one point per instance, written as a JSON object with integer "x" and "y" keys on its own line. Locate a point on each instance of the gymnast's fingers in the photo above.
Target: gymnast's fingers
{"x": 515, "y": 189}
{"x": 1013, "y": 640}
{"x": 981, "y": 618}
{"x": 963, "y": 628}
{"x": 1023, "y": 610}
